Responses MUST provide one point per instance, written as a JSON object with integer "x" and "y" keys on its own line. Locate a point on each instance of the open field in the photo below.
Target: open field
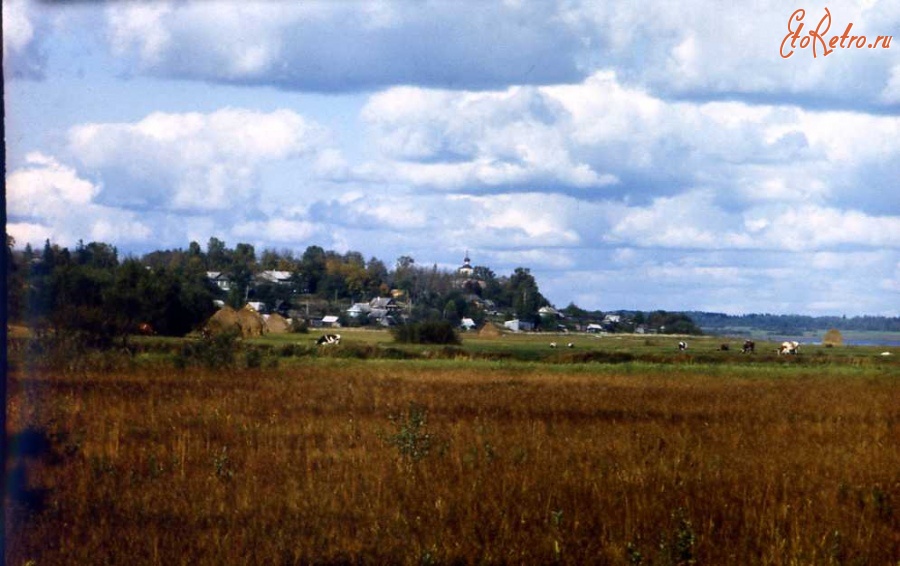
{"x": 618, "y": 451}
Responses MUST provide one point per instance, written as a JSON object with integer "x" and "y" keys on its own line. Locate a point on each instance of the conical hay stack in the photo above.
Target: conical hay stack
{"x": 252, "y": 324}
{"x": 226, "y": 319}
{"x": 490, "y": 330}
{"x": 833, "y": 338}
{"x": 277, "y": 324}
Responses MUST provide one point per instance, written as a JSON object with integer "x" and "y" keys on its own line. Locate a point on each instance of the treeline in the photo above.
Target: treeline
{"x": 92, "y": 292}
{"x": 656, "y": 322}
{"x": 792, "y": 324}
{"x": 90, "y": 297}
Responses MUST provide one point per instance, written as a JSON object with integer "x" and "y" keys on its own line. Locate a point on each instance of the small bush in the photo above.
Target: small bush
{"x": 411, "y": 438}
{"x": 214, "y": 352}
{"x": 254, "y": 359}
{"x": 437, "y": 332}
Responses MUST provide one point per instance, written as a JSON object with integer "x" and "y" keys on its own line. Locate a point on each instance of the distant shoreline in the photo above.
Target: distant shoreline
{"x": 851, "y": 337}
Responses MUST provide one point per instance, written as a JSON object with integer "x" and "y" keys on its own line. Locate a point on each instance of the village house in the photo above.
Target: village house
{"x": 219, "y": 279}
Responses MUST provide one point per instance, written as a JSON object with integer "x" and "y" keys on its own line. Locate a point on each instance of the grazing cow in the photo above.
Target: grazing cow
{"x": 749, "y": 346}
{"x": 553, "y": 344}
{"x": 682, "y": 346}
{"x": 724, "y": 347}
{"x": 146, "y": 329}
{"x": 329, "y": 339}
{"x": 792, "y": 347}
{"x": 570, "y": 345}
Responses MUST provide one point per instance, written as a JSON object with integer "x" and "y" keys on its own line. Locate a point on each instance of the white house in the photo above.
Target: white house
{"x": 330, "y": 320}
{"x": 518, "y": 325}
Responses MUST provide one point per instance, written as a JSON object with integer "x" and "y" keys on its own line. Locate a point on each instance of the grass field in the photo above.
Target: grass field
{"x": 621, "y": 450}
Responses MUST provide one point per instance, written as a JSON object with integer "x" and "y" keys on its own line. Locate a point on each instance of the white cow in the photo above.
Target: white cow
{"x": 329, "y": 339}
{"x": 792, "y": 347}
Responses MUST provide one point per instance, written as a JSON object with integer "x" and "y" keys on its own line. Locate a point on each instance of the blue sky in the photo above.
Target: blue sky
{"x": 634, "y": 155}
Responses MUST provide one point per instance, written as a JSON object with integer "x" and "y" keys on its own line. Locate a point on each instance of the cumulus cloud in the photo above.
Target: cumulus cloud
{"x": 694, "y": 221}
{"x": 47, "y": 199}
{"x": 190, "y": 162}
{"x": 471, "y": 141}
{"x": 681, "y": 50}
{"x": 307, "y": 46}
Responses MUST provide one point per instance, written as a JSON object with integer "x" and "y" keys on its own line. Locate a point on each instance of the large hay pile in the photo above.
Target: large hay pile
{"x": 247, "y": 322}
{"x": 223, "y": 321}
{"x": 490, "y": 330}
{"x": 833, "y": 338}
{"x": 277, "y": 324}
{"x": 252, "y": 323}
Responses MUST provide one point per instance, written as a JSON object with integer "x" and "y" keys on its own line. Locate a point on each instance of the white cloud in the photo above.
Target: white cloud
{"x": 23, "y": 37}
{"x": 140, "y": 26}
{"x": 467, "y": 140}
{"x": 45, "y": 184}
{"x": 192, "y": 161}
{"x": 305, "y": 45}
{"x": 49, "y": 200}
{"x": 18, "y": 31}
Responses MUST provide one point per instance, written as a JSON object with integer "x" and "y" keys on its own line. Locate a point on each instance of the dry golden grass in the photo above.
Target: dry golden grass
{"x": 516, "y": 463}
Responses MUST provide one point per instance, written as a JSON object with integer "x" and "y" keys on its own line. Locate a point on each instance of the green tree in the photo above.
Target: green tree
{"x": 312, "y": 269}
{"x": 524, "y": 296}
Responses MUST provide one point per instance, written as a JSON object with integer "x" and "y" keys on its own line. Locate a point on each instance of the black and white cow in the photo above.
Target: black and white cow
{"x": 329, "y": 339}
{"x": 749, "y": 346}
{"x": 682, "y": 346}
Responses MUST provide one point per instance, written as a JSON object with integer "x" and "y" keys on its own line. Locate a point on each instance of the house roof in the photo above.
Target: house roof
{"x": 275, "y": 276}
{"x": 381, "y": 302}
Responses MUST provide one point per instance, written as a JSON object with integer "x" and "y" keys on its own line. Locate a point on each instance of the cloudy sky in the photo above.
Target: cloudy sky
{"x": 635, "y": 155}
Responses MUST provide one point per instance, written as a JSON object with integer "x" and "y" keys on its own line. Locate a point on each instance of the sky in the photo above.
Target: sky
{"x": 692, "y": 155}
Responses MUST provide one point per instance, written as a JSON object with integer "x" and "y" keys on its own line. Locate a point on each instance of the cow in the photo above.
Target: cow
{"x": 682, "y": 346}
{"x": 329, "y": 339}
{"x": 553, "y": 344}
{"x": 749, "y": 347}
{"x": 792, "y": 347}
{"x": 570, "y": 345}
{"x": 146, "y": 329}
{"x": 724, "y": 347}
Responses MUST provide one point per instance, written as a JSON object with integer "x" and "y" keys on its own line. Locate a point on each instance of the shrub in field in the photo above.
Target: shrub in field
{"x": 411, "y": 437}
{"x": 213, "y": 352}
{"x": 431, "y": 332}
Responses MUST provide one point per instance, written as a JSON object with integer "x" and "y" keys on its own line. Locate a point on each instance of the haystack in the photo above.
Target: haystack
{"x": 225, "y": 320}
{"x": 833, "y": 338}
{"x": 277, "y": 324}
{"x": 251, "y": 322}
{"x": 490, "y": 330}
